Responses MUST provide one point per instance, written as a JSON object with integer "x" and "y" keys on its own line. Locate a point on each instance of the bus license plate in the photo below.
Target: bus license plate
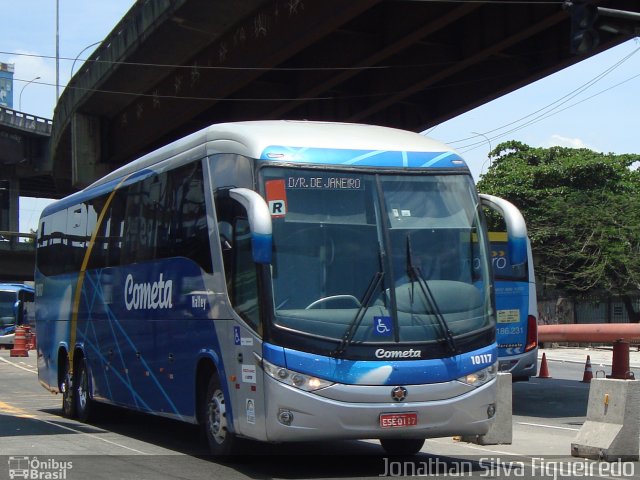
{"x": 398, "y": 420}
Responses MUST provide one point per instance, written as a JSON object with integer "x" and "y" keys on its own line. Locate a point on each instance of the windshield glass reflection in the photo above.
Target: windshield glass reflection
{"x": 341, "y": 267}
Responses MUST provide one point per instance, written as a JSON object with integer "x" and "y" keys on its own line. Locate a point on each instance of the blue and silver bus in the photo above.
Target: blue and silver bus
{"x": 517, "y": 311}
{"x": 279, "y": 281}
{"x": 516, "y": 300}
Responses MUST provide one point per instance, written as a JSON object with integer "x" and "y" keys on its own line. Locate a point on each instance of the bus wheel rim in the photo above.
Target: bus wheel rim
{"x": 65, "y": 388}
{"x": 217, "y": 419}
{"x": 82, "y": 390}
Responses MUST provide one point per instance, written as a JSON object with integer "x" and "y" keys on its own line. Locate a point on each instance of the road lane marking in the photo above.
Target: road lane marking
{"x": 548, "y": 426}
{"x": 14, "y": 411}
{"x": 584, "y": 386}
{"x": 475, "y": 447}
{"x": 19, "y": 412}
{"x": 64, "y": 427}
{"x": 30, "y": 370}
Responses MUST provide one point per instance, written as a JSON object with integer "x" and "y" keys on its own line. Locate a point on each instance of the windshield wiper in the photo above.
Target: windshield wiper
{"x": 351, "y": 330}
{"x": 415, "y": 275}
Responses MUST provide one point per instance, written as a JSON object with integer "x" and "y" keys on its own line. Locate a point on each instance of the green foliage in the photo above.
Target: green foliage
{"x": 582, "y": 210}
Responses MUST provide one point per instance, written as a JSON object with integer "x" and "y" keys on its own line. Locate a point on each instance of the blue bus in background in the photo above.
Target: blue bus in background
{"x": 16, "y": 308}
{"x": 517, "y": 310}
{"x": 515, "y": 284}
{"x": 279, "y": 281}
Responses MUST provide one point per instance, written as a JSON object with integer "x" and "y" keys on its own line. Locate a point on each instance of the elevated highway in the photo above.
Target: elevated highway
{"x": 25, "y": 169}
{"x": 172, "y": 67}
{"x": 25, "y": 158}
{"x": 17, "y": 256}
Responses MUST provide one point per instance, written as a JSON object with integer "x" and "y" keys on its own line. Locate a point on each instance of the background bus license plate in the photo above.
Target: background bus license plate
{"x": 398, "y": 420}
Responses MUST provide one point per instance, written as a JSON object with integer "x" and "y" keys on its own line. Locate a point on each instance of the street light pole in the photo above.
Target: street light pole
{"x": 81, "y": 51}
{"x": 57, "y": 50}
{"x": 22, "y": 90}
{"x": 489, "y": 154}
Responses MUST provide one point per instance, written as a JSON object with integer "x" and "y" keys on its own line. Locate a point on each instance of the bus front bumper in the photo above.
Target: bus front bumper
{"x": 295, "y": 415}
{"x": 520, "y": 366}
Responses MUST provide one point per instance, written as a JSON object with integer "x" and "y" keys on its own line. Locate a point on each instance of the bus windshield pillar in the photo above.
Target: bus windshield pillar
{"x": 259, "y": 222}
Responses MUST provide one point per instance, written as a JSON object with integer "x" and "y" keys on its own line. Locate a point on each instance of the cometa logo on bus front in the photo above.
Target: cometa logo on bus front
{"x": 411, "y": 353}
{"x": 148, "y": 296}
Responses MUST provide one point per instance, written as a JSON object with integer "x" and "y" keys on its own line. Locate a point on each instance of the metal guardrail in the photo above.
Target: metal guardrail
{"x": 11, "y": 241}
{"x": 25, "y": 121}
{"x": 589, "y": 332}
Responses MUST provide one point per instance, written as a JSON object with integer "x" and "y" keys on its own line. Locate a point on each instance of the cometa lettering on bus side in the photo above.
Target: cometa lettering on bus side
{"x": 148, "y": 296}
{"x": 411, "y": 353}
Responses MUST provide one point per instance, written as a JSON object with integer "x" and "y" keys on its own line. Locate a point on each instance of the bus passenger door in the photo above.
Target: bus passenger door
{"x": 243, "y": 345}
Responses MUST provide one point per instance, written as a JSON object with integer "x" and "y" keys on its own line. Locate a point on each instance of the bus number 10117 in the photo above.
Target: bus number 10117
{"x": 481, "y": 359}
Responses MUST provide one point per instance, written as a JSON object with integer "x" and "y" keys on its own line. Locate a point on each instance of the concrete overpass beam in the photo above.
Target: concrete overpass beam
{"x": 86, "y": 150}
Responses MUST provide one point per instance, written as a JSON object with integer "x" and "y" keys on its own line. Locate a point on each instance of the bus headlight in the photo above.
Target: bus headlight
{"x": 480, "y": 377}
{"x": 295, "y": 379}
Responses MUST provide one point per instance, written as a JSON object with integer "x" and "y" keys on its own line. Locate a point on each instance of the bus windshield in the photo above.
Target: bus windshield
{"x": 7, "y": 307}
{"x": 377, "y": 258}
{"x": 503, "y": 269}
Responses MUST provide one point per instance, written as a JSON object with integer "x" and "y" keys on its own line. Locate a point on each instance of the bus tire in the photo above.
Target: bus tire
{"x": 402, "y": 446}
{"x": 66, "y": 388}
{"x": 222, "y": 441}
{"x": 85, "y": 407}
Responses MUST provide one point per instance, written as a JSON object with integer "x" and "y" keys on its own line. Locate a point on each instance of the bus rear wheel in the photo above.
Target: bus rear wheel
{"x": 84, "y": 405}
{"x": 402, "y": 446}
{"x": 222, "y": 441}
{"x": 66, "y": 388}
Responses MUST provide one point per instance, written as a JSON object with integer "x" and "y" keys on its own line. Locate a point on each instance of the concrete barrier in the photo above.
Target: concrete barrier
{"x": 611, "y": 429}
{"x": 501, "y": 432}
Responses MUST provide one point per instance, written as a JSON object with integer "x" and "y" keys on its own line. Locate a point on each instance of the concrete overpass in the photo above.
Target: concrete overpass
{"x": 25, "y": 162}
{"x": 171, "y": 67}
{"x": 25, "y": 169}
{"x": 17, "y": 256}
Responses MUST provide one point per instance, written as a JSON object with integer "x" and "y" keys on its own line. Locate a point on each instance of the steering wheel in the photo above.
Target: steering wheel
{"x": 320, "y": 301}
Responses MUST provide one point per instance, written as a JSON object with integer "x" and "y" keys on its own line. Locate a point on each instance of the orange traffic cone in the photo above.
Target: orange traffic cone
{"x": 544, "y": 370}
{"x": 588, "y": 373}
{"x": 19, "y": 344}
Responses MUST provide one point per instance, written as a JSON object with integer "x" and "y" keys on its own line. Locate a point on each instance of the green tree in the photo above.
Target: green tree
{"x": 583, "y": 215}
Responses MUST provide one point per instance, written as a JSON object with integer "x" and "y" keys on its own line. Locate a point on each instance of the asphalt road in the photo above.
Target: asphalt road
{"x": 547, "y": 414}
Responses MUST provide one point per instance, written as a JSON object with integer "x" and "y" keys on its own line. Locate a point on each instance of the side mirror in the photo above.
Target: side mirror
{"x": 259, "y": 222}
{"x": 516, "y": 226}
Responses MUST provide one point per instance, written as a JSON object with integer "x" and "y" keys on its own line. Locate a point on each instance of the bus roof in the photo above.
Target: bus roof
{"x": 297, "y": 141}
{"x": 258, "y": 139}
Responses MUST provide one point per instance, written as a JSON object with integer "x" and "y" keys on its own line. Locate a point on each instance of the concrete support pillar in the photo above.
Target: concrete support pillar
{"x": 86, "y": 150}
{"x": 9, "y": 205}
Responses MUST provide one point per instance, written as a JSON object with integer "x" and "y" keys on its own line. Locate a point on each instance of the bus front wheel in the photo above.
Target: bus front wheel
{"x": 402, "y": 446}
{"x": 222, "y": 441}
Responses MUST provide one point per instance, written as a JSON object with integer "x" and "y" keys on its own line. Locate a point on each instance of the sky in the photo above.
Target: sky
{"x": 593, "y": 104}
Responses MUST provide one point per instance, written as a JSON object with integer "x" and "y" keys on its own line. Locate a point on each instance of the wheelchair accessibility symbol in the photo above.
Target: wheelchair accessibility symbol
{"x": 383, "y": 326}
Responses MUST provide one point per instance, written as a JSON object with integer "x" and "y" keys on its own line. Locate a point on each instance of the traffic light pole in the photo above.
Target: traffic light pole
{"x": 587, "y": 19}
